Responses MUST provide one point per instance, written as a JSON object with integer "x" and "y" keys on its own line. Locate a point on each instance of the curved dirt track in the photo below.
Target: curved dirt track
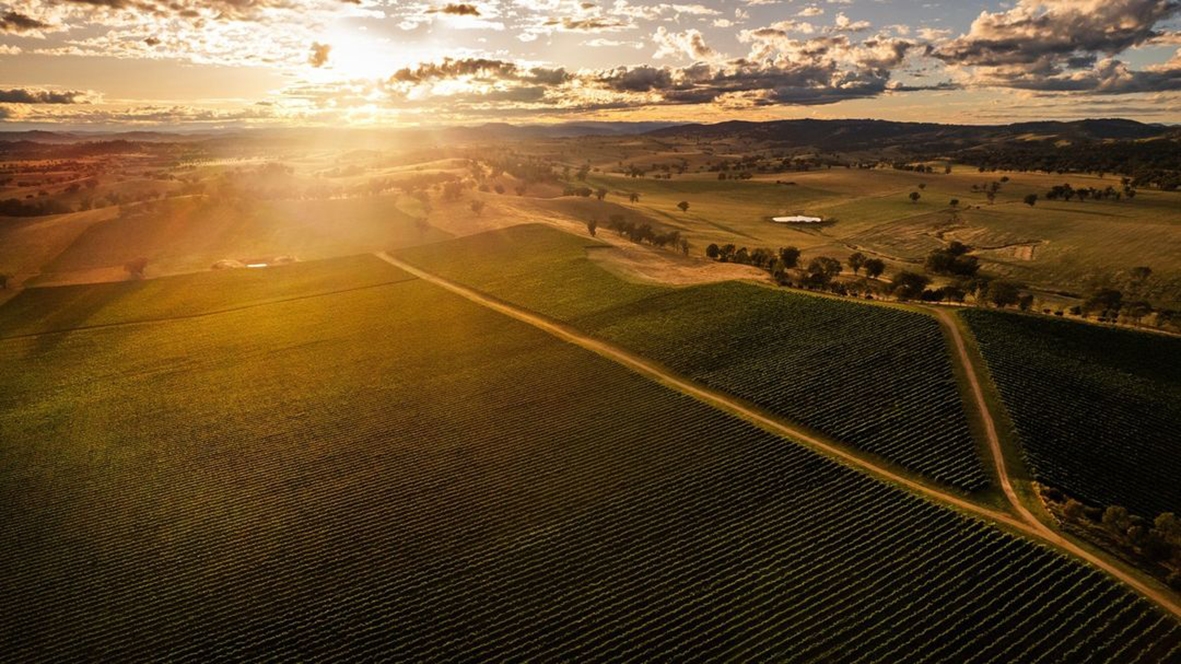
{"x": 947, "y": 318}
{"x": 1027, "y": 524}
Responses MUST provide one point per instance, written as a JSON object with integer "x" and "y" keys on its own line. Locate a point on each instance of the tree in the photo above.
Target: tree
{"x": 1074, "y": 510}
{"x": 1168, "y": 527}
{"x": 684, "y": 205}
{"x": 915, "y": 196}
{"x": 1031, "y": 199}
{"x": 1117, "y": 520}
{"x": 874, "y": 268}
{"x": 1105, "y": 300}
{"x": 1003, "y": 293}
{"x": 952, "y": 259}
{"x": 1137, "y": 310}
{"x": 909, "y": 285}
{"x": 713, "y": 251}
{"x": 477, "y": 207}
{"x": 136, "y": 267}
{"x": 790, "y": 256}
{"x": 822, "y": 270}
{"x": 856, "y": 260}
{"x": 592, "y": 226}
{"x": 600, "y": 193}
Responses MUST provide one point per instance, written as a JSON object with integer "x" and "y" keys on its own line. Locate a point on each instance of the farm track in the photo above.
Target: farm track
{"x": 203, "y": 314}
{"x": 1024, "y": 521}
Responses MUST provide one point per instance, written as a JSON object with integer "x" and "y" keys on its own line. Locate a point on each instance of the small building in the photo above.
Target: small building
{"x": 797, "y": 219}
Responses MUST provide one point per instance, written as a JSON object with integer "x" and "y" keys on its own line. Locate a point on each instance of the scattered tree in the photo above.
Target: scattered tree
{"x": 822, "y": 270}
{"x": 684, "y": 205}
{"x": 713, "y": 251}
{"x": 1107, "y": 301}
{"x": 790, "y": 257}
{"x": 633, "y": 197}
{"x": 915, "y": 196}
{"x": 955, "y": 202}
{"x": 909, "y": 285}
{"x": 874, "y": 268}
{"x": 856, "y": 260}
{"x": 1003, "y": 293}
{"x": 600, "y": 193}
{"x": 1117, "y": 520}
{"x": 477, "y": 207}
{"x": 1031, "y": 199}
{"x": 592, "y": 226}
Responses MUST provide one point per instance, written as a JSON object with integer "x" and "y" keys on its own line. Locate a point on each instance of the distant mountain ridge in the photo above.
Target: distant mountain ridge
{"x": 487, "y": 131}
{"x": 848, "y": 135}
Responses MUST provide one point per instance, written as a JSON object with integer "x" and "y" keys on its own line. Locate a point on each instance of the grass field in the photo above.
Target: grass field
{"x": 1097, "y": 410}
{"x": 876, "y": 378}
{"x": 394, "y": 472}
{"x": 1052, "y": 246}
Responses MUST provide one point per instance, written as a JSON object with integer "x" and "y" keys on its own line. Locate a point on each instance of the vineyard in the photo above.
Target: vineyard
{"x": 876, "y": 378}
{"x": 1097, "y": 410}
{"x": 40, "y": 310}
{"x": 395, "y": 473}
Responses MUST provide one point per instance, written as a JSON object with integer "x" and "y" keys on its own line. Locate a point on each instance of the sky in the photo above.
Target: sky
{"x": 141, "y": 64}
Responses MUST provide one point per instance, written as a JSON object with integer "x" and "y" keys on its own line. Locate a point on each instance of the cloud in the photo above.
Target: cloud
{"x": 479, "y": 69}
{"x": 588, "y": 24}
{"x": 1063, "y": 45}
{"x": 319, "y": 55}
{"x": 40, "y": 96}
{"x": 458, "y": 9}
{"x": 19, "y": 23}
{"x": 1036, "y": 30}
{"x": 842, "y": 23}
{"x": 689, "y": 43}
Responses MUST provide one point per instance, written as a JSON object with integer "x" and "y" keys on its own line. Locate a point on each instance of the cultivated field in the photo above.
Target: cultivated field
{"x": 877, "y": 378}
{"x": 389, "y": 471}
{"x": 1096, "y": 409}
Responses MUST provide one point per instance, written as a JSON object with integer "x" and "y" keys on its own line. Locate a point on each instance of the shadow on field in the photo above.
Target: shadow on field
{"x": 68, "y": 308}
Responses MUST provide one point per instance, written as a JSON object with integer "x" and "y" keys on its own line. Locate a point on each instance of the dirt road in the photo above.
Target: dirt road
{"x": 1030, "y": 526}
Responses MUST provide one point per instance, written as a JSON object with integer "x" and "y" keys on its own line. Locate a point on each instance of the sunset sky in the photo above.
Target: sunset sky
{"x": 209, "y": 63}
